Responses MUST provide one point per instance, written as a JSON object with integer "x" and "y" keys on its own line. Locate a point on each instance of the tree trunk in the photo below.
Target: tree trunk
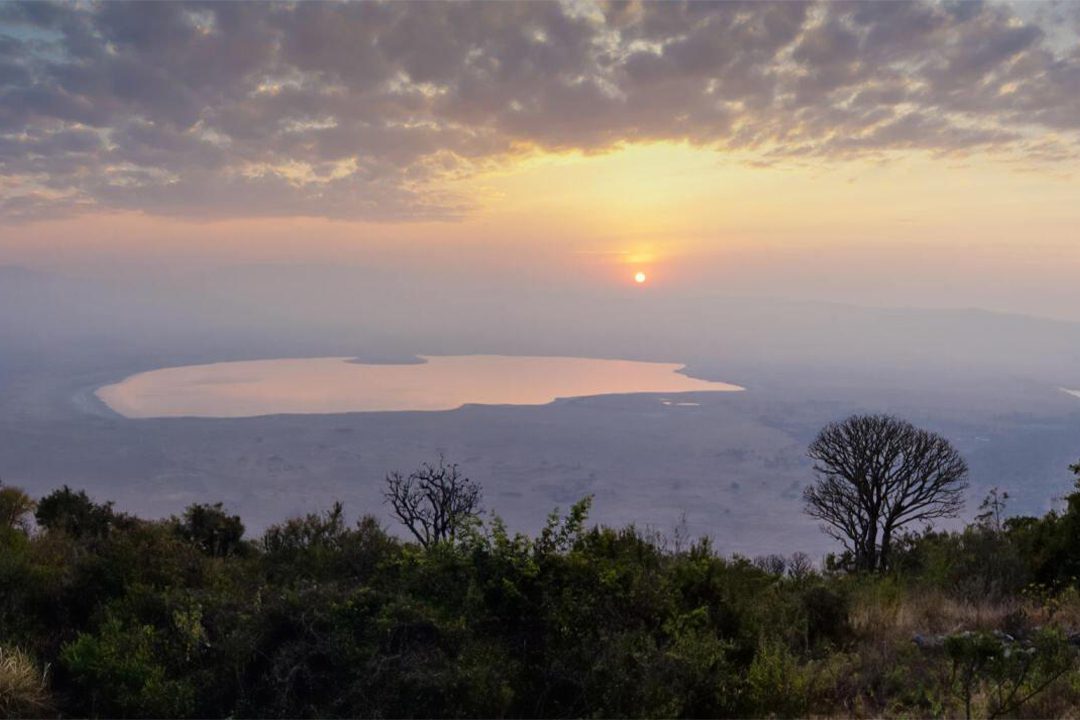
{"x": 870, "y": 547}
{"x": 886, "y": 546}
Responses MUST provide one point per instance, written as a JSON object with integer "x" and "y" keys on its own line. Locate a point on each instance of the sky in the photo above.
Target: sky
{"x": 887, "y": 153}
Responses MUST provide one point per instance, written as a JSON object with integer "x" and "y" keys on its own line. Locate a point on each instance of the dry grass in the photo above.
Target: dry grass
{"x": 23, "y": 690}
{"x": 928, "y": 613}
{"x": 1062, "y": 609}
{"x": 887, "y": 613}
{"x": 886, "y": 618}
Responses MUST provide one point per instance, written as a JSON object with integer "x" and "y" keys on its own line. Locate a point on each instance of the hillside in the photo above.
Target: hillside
{"x": 104, "y": 614}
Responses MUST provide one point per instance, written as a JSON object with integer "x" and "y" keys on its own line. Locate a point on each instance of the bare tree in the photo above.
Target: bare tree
{"x": 877, "y": 474}
{"x": 992, "y": 510}
{"x": 434, "y": 502}
{"x": 800, "y": 566}
{"x": 773, "y": 564}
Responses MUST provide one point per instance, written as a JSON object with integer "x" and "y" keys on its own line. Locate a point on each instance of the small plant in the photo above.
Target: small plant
{"x": 1007, "y": 672}
{"x": 776, "y": 684}
{"x": 23, "y": 687}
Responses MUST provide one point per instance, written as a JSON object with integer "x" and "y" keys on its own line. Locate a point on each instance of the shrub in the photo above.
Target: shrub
{"x": 118, "y": 672}
{"x": 212, "y": 530}
{"x": 1005, "y": 673}
{"x": 776, "y": 683}
{"x": 75, "y": 514}
{"x": 15, "y": 507}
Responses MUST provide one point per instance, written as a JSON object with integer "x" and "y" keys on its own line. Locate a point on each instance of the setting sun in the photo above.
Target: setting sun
{"x": 639, "y": 277}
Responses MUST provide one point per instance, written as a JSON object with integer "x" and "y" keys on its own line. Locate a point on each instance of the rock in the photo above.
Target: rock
{"x": 927, "y": 642}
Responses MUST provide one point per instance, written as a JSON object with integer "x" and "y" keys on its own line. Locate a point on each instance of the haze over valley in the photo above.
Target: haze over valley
{"x": 733, "y": 462}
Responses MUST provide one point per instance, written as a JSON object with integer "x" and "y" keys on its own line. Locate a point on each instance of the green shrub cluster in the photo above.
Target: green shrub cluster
{"x": 104, "y": 614}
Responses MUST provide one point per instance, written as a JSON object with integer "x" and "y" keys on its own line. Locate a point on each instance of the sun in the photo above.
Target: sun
{"x": 639, "y": 277}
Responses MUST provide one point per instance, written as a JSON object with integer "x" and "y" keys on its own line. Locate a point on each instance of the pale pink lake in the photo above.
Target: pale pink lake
{"x": 338, "y": 385}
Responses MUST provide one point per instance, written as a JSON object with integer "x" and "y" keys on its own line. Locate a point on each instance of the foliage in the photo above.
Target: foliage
{"x": 74, "y": 513}
{"x": 121, "y": 671}
{"x": 212, "y": 530}
{"x": 328, "y": 617}
{"x": 15, "y": 507}
{"x": 1008, "y": 673}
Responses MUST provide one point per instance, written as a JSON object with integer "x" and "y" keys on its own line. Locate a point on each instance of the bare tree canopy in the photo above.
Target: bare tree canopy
{"x": 877, "y": 474}
{"x": 434, "y": 502}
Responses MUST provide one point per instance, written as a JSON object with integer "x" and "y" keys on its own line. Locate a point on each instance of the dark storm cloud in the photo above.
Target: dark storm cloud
{"x": 365, "y": 110}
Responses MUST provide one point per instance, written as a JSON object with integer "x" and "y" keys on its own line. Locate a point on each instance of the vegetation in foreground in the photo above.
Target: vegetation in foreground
{"x": 104, "y": 614}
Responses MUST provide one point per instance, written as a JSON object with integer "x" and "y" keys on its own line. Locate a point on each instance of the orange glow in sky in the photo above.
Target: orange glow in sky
{"x": 915, "y": 230}
{"x": 613, "y": 140}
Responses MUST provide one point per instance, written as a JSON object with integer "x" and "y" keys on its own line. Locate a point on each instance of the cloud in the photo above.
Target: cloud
{"x": 370, "y": 110}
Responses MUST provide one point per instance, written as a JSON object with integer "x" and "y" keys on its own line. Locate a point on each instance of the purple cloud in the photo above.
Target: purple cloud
{"x": 364, "y": 110}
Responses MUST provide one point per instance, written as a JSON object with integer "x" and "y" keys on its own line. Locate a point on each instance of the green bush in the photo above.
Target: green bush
{"x": 323, "y": 618}
{"x": 119, "y": 671}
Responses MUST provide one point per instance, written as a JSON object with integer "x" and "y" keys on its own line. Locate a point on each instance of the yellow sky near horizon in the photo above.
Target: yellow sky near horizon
{"x": 878, "y": 153}
{"x": 685, "y": 214}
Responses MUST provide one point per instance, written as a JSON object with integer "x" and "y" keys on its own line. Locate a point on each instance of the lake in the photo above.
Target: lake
{"x": 341, "y": 384}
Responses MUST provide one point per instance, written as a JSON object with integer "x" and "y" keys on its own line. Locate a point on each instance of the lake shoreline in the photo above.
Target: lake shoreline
{"x": 343, "y": 384}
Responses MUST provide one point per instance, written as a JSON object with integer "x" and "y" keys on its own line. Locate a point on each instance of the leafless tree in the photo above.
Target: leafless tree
{"x": 434, "y": 502}
{"x": 992, "y": 510}
{"x": 877, "y": 474}
{"x": 773, "y": 564}
{"x": 800, "y": 565}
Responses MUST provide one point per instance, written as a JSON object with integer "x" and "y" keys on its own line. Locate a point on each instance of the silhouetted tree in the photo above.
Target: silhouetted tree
{"x": 992, "y": 510}
{"x": 75, "y": 514}
{"x": 434, "y": 502}
{"x": 1051, "y": 544}
{"x": 314, "y": 530}
{"x": 211, "y": 529}
{"x": 877, "y": 474}
{"x": 800, "y": 565}
{"x": 773, "y": 564}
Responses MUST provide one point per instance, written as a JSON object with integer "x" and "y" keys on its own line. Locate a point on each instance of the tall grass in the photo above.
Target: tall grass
{"x": 23, "y": 687}
{"x": 879, "y": 614}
